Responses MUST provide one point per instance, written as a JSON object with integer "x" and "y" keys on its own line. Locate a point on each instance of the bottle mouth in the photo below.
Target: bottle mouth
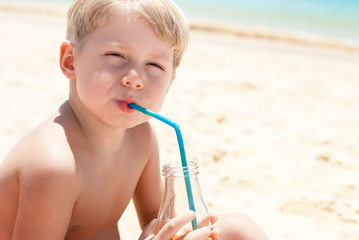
{"x": 175, "y": 169}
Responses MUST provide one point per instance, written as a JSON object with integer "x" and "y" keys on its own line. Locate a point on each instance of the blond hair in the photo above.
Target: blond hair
{"x": 86, "y": 16}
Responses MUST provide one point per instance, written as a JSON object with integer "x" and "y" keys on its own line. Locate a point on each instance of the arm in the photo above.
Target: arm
{"x": 46, "y": 200}
{"x": 148, "y": 192}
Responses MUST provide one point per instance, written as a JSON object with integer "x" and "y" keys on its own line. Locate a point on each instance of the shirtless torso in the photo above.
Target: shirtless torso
{"x": 76, "y": 194}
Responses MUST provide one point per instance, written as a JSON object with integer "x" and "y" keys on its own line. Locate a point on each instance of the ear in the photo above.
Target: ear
{"x": 67, "y": 51}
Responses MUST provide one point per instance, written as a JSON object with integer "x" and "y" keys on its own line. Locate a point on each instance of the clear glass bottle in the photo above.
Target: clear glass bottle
{"x": 175, "y": 200}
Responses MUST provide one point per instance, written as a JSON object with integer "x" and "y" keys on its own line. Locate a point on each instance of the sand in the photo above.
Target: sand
{"x": 273, "y": 123}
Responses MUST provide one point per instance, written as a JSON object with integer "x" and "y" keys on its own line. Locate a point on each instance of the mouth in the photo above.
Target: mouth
{"x": 123, "y": 106}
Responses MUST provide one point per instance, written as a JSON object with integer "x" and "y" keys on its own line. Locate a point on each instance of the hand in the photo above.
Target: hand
{"x": 152, "y": 231}
{"x": 215, "y": 232}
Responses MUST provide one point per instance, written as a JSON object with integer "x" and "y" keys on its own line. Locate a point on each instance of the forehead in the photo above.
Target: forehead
{"x": 130, "y": 31}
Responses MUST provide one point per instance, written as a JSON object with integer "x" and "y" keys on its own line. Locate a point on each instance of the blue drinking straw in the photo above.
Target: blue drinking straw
{"x": 182, "y": 152}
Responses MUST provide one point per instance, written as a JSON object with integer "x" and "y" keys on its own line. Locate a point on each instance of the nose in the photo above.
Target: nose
{"x": 133, "y": 80}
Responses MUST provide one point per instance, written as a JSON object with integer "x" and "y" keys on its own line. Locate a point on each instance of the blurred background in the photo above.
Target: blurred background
{"x": 332, "y": 18}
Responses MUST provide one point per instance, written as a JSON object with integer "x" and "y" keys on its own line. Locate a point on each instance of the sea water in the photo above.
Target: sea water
{"x": 332, "y": 18}
{"x": 335, "y": 18}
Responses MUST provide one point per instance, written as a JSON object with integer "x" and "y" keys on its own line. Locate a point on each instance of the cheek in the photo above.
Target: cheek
{"x": 158, "y": 94}
{"x": 92, "y": 85}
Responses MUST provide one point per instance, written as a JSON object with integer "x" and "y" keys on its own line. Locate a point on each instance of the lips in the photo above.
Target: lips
{"x": 123, "y": 106}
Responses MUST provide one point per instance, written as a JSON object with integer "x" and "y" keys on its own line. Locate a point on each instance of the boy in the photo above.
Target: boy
{"x": 73, "y": 175}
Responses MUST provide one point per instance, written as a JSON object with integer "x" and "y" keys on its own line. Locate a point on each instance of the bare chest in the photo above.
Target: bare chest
{"x": 105, "y": 194}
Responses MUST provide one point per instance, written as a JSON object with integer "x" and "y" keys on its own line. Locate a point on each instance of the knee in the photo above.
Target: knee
{"x": 233, "y": 221}
{"x": 239, "y": 227}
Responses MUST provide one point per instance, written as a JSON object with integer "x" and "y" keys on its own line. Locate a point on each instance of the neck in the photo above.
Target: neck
{"x": 100, "y": 138}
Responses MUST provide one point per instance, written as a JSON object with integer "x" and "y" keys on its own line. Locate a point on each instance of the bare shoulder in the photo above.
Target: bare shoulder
{"x": 145, "y": 130}
{"x": 42, "y": 153}
{"x": 144, "y": 135}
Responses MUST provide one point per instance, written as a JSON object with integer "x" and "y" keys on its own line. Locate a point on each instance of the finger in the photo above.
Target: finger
{"x": 199, "y": 234}
{"x": 215, "y": 233}
{"x": 175, "y": 224}
{"x": 212, "y": 218}
{"x": 203, "y": 222}
{"x": 150, "y": 230}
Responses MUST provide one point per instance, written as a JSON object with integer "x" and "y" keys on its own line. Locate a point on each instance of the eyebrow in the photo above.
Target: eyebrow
{"x": 118, "y": 45}
{"x": 153, "y": 54}
{"x": 160, "y": 55}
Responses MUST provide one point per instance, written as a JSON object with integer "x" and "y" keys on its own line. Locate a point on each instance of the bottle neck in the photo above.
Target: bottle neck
{"x": 175, "y": 169}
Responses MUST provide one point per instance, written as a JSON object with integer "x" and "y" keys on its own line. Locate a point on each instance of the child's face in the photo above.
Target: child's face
{"x": 123, "y": 62}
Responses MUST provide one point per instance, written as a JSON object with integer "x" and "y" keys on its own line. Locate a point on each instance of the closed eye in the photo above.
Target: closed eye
{"x": 156, "y": 65}
{"x": 115, "y": 54}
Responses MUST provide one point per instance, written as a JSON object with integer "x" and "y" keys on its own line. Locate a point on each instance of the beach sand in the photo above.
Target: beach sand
{"x": 272, "y": 123}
